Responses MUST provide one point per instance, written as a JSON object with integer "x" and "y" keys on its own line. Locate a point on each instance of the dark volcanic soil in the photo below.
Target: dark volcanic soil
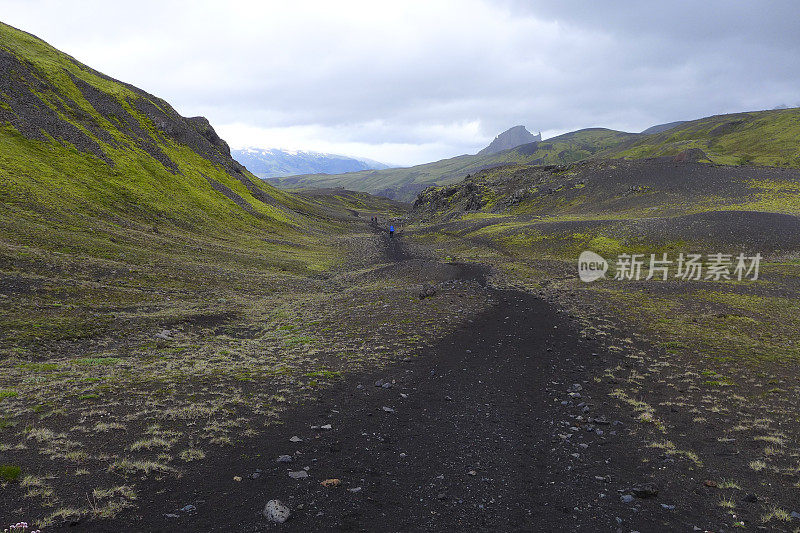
{"x": 492, "y": 429}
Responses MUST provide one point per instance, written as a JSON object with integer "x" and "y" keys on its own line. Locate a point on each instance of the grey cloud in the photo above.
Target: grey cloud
{"x": 419, "y": 74}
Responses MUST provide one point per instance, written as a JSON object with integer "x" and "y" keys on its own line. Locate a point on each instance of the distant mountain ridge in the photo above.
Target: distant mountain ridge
{"x": 277, "y": 162}
{"x": 405, "y": 183}
{"x": 766, "y": 138}
{"x": 511, "y": 138}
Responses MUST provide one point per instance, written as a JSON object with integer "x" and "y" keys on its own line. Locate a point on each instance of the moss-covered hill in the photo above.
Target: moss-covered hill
{"x": 81, "y": 152}
{"x": 766, "y": 138}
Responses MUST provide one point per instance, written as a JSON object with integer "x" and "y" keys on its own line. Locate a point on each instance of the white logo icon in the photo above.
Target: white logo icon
{"x": 591, "y": 266}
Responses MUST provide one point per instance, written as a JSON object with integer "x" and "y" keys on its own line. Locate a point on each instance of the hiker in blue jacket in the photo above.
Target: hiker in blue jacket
{"x": 391, "y": 231}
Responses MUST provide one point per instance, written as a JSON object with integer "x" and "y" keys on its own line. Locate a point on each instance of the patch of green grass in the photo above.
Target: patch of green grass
{"x": 8, "y": 393}
{"x": 39, "y": 367}
{"x": 192, "y": 454}
{"x": 330, "y": 374}
{"x": 670, "y": 449}
{"x": 98, "y": 361}
{"x": 9, "y": 473}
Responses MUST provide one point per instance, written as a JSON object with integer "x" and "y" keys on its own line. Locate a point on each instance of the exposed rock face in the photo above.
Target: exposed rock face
{"x": 511, "y": 138}
{"x": 37, "y": 107}
{"x": 460, "y": 197}
{"x": 692, "y": 155}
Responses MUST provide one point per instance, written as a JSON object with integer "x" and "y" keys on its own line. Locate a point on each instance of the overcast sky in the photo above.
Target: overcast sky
{"x": 413, "y": 81}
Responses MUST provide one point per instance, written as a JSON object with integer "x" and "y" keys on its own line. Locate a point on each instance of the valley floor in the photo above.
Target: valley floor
{"x": 503, "y": 412}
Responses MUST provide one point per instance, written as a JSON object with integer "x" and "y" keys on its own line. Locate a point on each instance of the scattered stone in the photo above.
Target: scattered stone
{"x": 387, "y": 385}
{"x": 403, "y": 395}
{"x": 189, "y": 508}
{"x": 285, "y": 459}
{"x": 710, "y": 483}
{"x": 668, "y": 507}
{"x": 427, "y": 292}
{"x": 750, "y": 498}
{"x": 237, "y": 478}
{"x": 333, "y": 482}
{"x": 794, "y": 515}
{"x": 472, "y": 473}
{"x": 354, "y": 489}
{"x": 379, "y": 383}
{"x": 643, "y": 491}
{"x": 296, "y": 439}
{"x": 388, "y": 409}
{"x": 626, "y": 498}
{"x": 165, "y": 334}
{"x": 277, "y": 511}
{"x": 448, "y": 398}
{"x": 171, "y": 515}
{"x": 299, "y": 474}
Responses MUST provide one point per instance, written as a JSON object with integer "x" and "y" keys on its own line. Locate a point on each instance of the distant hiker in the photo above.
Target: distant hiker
{"x": 391, "y": 231}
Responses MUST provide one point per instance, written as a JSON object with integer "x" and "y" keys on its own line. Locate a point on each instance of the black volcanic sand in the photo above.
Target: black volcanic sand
{"x": 478, "y": 433}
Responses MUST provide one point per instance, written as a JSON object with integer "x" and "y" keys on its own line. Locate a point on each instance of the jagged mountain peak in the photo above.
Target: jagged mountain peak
{"x": 511, "y": 138}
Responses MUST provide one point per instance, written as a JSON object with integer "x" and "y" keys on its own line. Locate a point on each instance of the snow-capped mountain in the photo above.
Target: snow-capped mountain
{"x": 276, "y": 162}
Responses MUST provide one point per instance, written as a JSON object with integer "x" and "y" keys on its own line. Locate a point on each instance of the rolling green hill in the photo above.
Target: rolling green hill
{"x": 766, "y": 138}
{"x": 405, "y": 183}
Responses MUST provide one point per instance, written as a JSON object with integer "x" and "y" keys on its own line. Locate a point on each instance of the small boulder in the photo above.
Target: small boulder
{"x": 644, "y": 491}
{"x": 427, "y": 292}
{"x": 276, "y": 511}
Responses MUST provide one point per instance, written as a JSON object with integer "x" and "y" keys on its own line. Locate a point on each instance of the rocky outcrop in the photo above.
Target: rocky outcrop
{"x": 511, "y": 138}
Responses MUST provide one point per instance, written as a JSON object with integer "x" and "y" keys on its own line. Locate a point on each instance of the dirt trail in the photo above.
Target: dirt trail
{"x": 470, "y": 435}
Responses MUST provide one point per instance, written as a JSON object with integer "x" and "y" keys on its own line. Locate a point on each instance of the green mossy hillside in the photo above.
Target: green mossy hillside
{"x": 766, "y": 138}
{"x": 86, "y": 160}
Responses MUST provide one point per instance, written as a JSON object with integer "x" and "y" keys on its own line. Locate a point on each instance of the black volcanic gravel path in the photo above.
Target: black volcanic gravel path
{"x": 471, "y": 435}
